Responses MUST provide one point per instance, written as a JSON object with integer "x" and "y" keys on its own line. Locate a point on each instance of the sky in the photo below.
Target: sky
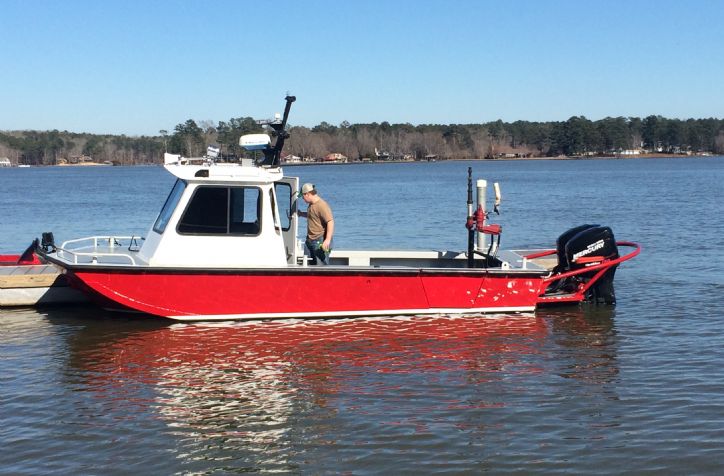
{"x": 137, "y": 67}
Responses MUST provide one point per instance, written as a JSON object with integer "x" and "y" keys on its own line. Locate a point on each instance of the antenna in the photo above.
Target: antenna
{"x": 272, "y": 155}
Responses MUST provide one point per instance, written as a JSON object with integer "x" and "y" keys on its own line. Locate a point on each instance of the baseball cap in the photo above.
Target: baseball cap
{"x": 306, "y": 188}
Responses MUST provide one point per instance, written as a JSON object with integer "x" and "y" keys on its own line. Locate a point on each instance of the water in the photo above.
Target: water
{"x": 633, "y": 389}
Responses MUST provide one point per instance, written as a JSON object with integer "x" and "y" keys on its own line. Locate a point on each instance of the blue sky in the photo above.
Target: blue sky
{"x": 135, "y": 67}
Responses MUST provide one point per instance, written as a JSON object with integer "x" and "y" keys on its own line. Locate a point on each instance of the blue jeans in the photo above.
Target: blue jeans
{"x": 318, "y": 255}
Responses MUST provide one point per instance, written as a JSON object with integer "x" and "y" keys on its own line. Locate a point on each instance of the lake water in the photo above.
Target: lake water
{"x": 634, "y": 389}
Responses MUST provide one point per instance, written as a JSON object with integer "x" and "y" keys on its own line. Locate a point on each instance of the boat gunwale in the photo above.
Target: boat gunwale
{"x": 341, "y": 270}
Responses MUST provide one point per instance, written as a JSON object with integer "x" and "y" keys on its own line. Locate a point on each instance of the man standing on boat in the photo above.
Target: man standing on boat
{"x": 320, "y": 225}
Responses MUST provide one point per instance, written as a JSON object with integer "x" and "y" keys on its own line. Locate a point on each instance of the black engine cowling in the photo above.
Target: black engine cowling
{"x": 561, "y": 243}
{"x": 586, "y": 241}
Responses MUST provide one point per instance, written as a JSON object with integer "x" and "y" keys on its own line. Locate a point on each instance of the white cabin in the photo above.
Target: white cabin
{"x": 222, "y": 215}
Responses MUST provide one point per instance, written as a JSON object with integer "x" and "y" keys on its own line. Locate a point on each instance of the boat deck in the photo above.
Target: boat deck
{"x": 548, "y": 262}
{"x": 511, "y": 260}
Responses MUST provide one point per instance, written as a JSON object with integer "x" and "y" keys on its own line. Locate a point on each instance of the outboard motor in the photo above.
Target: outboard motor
{"x": 579, "y": 243}
{"x": 48, "y": 242}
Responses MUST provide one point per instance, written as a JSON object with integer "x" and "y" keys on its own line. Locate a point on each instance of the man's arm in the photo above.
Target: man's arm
{"x": 328, "y": 235}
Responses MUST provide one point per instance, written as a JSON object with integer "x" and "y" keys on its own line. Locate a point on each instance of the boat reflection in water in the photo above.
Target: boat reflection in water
{"x": 270, "y": 393}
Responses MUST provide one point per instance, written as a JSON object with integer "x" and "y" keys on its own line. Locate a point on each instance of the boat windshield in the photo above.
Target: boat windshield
{"x": 169, "y": 206}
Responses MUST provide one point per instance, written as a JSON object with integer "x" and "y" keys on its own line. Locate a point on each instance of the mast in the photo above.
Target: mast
{"x": 470, "y": 222}
{"x": 272, "y": 155}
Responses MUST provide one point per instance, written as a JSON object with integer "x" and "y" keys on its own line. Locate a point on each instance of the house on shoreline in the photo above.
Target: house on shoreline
{"x": 335, "y": 157}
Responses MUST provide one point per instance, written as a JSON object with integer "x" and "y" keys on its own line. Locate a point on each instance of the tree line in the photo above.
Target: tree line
{"x": 55, "y": 147}
{"x": 576, "y": 136}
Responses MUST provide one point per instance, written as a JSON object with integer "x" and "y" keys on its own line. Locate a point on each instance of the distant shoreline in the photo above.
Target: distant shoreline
{"x": 510, "y": 159}
{"x": 360, "y": 162}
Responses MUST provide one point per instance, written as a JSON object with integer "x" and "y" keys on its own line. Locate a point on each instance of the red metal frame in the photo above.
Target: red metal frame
{"x": 601, "y": 267}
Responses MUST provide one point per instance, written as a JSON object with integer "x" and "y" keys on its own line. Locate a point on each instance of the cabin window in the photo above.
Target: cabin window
{"x": 223, "y": 211}
{"x": 245, "y": 211}
{"x": 285, "y": 195}
{"x": 171, "y": 201}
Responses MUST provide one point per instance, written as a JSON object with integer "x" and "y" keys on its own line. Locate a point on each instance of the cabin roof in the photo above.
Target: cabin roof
{"x": 225, "y": 172}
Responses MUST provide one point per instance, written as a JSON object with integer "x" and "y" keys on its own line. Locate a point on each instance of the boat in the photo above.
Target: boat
{"x": 26, "y": 280}
{"x": 224, "y": 246}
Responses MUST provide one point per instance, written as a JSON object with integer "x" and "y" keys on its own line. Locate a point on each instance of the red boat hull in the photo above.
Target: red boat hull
{"x": 312, "y": 292}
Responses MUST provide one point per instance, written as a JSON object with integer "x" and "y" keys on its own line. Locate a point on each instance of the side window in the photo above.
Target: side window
{"x": 206, "y": 212}
{"x": 284, "y": 196}
{"x": 165, "y": 215}
{"x": 222, "y": 211}
{"x": 245, "y": 211}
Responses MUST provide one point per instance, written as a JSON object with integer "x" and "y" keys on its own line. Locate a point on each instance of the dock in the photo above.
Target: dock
{"x": 31, "y": 285}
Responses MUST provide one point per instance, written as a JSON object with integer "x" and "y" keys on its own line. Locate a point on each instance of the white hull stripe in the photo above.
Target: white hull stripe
{"x": 313, "y": 315}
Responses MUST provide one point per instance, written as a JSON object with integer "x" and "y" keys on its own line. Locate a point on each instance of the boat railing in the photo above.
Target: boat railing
{"x": 107, "y": 249}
